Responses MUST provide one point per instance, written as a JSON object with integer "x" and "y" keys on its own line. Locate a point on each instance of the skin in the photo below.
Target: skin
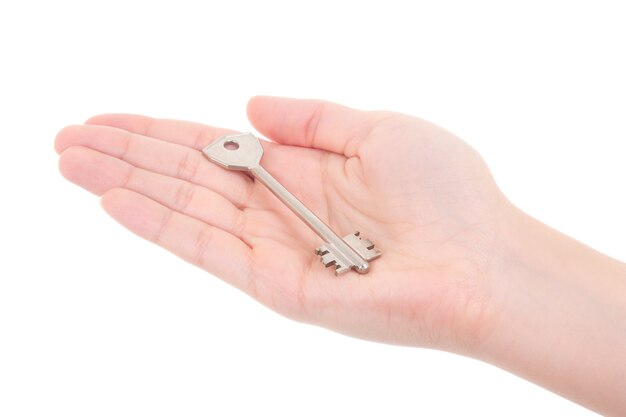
{"x": 462, "y": 269}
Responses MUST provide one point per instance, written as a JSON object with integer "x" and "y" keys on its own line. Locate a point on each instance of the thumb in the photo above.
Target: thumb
{"x": 310, "y": 123}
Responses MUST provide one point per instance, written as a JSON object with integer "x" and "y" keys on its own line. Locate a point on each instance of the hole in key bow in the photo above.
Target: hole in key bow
{"x": 231, "y": 145}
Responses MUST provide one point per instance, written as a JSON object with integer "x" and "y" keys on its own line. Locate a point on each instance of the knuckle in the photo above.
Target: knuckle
{"x": 312, "y": 123}
{"x": 188, "y": 165}
{"x": 203, "y": 137}
{"x": 184, "y": 195}
{"x": 159, "y": 236}
{"x": 201, "y": 246}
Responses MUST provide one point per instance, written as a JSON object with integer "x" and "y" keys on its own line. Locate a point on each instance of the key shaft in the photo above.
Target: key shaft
{"x": 314, "y": 222}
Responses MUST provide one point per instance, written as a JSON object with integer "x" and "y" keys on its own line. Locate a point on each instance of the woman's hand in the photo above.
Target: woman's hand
{"x": 422, "y": 195}
{"x": 462, "y": 269}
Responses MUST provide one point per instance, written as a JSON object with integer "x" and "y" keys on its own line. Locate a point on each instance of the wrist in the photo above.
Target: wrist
{"x": 559, "y": 314}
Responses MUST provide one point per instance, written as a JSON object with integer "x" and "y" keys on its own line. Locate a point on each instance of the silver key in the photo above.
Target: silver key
{"x": 243, "y": 152}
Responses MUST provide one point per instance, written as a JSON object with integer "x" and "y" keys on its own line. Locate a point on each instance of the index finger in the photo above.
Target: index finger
{"x": 190, "y": 134}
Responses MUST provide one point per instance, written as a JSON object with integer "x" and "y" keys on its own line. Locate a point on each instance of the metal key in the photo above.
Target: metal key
{"x": 243, "y": 152}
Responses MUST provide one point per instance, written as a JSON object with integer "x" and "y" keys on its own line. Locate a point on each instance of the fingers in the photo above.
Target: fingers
{"x": 208, "y": 247}
{"x": 99, "y": 173}
{"x": 193, "y": 135}
{"x": 310, "y": 123}
{"x": 158, "y": 156}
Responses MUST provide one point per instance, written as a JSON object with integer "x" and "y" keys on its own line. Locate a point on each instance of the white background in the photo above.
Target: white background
{"x": 96, "y": 322}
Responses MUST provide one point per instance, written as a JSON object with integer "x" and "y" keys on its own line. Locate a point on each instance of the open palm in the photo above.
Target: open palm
{"x": 422, "y": 195}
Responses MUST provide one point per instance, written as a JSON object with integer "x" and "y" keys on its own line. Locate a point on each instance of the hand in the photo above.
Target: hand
{"x": 422, "y": 195}
{"x": 462, "y": 269}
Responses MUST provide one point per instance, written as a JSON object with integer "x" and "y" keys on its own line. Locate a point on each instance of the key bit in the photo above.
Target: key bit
{"x": 364, "y": 247}
{"x": 329, "y": 259}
